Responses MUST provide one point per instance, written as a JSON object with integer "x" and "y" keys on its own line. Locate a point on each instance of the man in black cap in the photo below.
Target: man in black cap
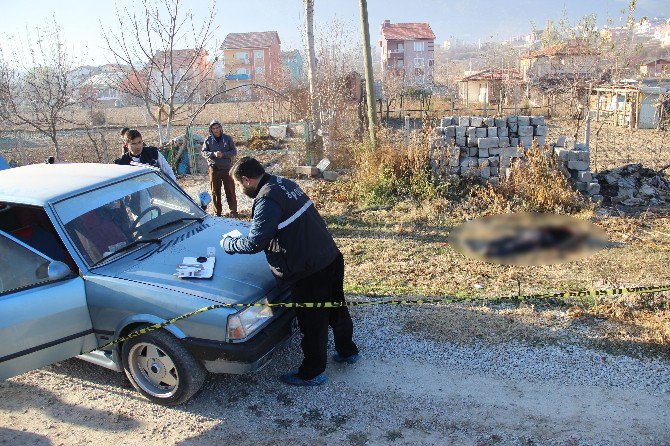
{"x": 219, "y": 150}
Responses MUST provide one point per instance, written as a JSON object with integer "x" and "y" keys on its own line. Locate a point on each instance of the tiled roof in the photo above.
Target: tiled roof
{"x": 407, "y": 31}
{"x": 180, "y": 58}
{"x": 493, "y": 73}
{"x": 570, "y": 48}
{"x": 263, "y": 39}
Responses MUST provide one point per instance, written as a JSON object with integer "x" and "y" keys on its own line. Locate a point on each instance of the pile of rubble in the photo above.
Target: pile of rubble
{"x": 634, "y": 185}
{"x": 262, "y": 142}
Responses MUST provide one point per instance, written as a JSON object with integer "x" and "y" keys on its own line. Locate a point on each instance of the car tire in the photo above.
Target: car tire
{"x": 160, "y": 367}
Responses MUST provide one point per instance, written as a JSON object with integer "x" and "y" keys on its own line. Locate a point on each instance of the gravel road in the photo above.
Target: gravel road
{"x": 406, "y": 390}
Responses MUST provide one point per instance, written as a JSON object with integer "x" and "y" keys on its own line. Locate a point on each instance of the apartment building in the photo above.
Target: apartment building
{"x": 408, "y": 49}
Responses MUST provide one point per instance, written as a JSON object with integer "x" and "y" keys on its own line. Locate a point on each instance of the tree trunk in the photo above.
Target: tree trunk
{"x": 311, "y": 64}
{"x": 54, "y": 139}
{"x": 56, "y": 147}
{"x": 367, "y": 62}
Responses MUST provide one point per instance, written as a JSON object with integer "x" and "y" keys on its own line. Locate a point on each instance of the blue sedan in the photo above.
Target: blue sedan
{"x": 89, "y": 254}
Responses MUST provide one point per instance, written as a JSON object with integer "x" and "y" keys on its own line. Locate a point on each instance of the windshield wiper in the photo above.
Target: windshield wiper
{"x": 179, "y": 220}
{"x": 127, "y": 247}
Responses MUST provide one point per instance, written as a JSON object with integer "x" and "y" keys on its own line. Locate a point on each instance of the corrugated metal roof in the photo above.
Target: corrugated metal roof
{"x": 262, "y": 39}
{"x": 407, "y": 31}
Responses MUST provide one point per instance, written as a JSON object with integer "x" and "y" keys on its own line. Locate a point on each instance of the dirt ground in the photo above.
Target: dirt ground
{"x": 389, "y": 397}
{"x": 453, "y": 374}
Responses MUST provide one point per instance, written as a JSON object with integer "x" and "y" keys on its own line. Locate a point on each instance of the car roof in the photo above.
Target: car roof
{"x": 39, "y": 184}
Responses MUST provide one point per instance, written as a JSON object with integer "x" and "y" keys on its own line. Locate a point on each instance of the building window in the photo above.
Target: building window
{"x": 401, "y": 47}
{"x": 419, "y": 46}
{"x": 401, "y": 64}
{"x": 260, "y": 71}
{"x": 259, "y": 54}
{"x": 418, "y": 62}
{"x": 242, "y": 55}
{"x": 242, "y": 71}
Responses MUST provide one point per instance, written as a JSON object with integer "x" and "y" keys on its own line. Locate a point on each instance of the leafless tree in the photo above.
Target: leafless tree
{"x": 37, "y": 84}
{"x": 337, "y": 74}
{"x": 393, "y": 86}
{"x": 164, "y": 78}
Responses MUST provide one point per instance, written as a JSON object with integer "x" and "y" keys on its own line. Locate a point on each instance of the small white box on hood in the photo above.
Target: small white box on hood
{"x": 196, "y": 268}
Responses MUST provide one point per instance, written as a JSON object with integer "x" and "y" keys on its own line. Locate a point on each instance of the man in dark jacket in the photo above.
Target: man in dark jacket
{"x": 124, "y": 149}
{"x": 137, "y": 152}
{"x": 219, "y": 150}
{"x": 301, "y": 251}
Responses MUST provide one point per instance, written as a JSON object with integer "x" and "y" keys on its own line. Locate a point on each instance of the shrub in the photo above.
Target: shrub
{"x": 536, "y": 185}
{"x": 98, "y": 117}
{"x": 392, "y": 172}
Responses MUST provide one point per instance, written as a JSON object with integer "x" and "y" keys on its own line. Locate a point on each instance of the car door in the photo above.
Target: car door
{"x": 44, "y": 317}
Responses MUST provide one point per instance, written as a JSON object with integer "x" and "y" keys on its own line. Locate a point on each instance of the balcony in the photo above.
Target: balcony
{"x": 238, "y": 77}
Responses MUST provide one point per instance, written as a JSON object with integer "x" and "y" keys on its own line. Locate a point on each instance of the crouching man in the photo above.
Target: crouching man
{"x": 302, "y": 252}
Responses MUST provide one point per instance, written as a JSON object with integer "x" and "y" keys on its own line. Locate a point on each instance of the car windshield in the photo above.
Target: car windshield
{"x": 105, "y": 220}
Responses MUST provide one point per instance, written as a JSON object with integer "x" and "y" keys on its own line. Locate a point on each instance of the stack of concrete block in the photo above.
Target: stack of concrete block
{"x": 574, "y": 160}
{"x": 486, "y": 145}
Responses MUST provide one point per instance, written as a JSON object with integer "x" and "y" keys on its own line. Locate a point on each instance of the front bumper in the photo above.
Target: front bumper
{"x": 244, "y": 357}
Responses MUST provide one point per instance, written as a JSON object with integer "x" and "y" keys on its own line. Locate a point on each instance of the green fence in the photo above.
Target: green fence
{"x": 244, "y": 132}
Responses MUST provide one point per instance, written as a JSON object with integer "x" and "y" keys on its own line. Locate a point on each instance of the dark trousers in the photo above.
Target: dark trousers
{"x": 323, "y": 286}
{"x": 216, "y": 178}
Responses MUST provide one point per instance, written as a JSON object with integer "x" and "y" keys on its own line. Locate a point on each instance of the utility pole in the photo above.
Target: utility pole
{"x": 367, "y": 62}
{"x": 311, "y": 64}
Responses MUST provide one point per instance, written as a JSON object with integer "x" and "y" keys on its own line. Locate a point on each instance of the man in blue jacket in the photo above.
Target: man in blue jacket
{"x": 219, "y": 150}
{"x": 301, "y": 251}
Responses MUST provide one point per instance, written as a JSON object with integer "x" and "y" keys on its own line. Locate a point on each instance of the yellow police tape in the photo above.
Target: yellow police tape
{"x": 441, "y": 300}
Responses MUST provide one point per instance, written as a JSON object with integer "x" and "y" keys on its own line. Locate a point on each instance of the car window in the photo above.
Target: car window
{"x": 20, "y": 267}
{"x": 144, "y": 207}
{"x": 32, "y": 226}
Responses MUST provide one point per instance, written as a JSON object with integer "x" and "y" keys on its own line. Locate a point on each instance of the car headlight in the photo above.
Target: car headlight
{"x": 242, "y": 324}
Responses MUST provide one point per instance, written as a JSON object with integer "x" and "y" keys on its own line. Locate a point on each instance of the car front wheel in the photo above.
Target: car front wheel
{"x": 161, "y": 368}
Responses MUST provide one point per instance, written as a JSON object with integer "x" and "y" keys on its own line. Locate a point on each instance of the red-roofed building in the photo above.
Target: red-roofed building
{"x": 252, "y": 57}
{"x": 571, "y": 59}
{"x": 489, "y": 87}
{"x": 408, "y": 48}
{"x": 187, "y": 71}
{"x": 655, "y": 68}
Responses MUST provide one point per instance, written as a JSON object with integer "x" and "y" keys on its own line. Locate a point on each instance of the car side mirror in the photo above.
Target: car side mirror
{"x": 204, "y": 199}
{"x": 57, "y": 270}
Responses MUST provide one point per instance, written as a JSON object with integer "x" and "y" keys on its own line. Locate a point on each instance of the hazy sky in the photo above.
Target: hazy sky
{"x": 468, "y": 20}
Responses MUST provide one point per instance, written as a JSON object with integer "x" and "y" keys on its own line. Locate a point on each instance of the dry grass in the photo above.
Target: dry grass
{"x": 616, "y": 146}
{"x": 403, "y": 250}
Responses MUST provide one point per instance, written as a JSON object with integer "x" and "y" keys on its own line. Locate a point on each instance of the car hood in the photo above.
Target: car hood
{"x": 237, "y": 278}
